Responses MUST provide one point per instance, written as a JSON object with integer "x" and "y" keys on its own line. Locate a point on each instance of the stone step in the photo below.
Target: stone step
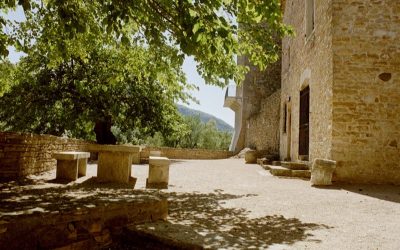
{"x": 266, "y": 166}
{"x": 276, "y": 163}
{"x": 295, "y": 165}
{"x": 280, "y": 171}
{"x": 306, "y": 174}
{"x": 283, "y": 171}
{"x": 268, "y": 159}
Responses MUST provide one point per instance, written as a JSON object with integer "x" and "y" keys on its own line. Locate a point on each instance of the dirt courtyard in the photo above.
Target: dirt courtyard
{"x": 227, "y": 204}
{"x": 230, "y": 204}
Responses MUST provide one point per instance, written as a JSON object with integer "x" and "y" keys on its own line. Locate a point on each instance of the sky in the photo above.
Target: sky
{"x": 211, "y": 98}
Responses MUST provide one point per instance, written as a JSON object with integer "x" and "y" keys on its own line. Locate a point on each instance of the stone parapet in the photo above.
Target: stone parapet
{"x": 183, "y": 153}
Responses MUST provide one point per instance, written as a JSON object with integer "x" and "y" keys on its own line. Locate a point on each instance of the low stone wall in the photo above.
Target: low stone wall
{"x": 182, "y": 153}
{"x": 22, "y": 154}
{"x": 85, "y": 216}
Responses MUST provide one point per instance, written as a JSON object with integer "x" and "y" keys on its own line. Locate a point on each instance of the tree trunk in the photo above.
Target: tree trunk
{"x": 103, "y": 132}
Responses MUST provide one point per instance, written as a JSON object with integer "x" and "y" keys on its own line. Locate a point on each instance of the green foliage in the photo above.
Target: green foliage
{"x": 131, "y": 85}
{"x": 6, "y": 76}
{"x": 207, "y": 30}
{"x": 195, "y": 134}
{"x": 157, "y": 140}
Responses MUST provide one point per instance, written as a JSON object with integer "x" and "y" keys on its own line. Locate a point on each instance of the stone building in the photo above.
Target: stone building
{"x": 256, "y": 103}
{"x": 340, "y": 87}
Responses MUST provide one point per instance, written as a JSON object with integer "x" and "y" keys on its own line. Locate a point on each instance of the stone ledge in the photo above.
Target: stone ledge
{"x": 71, "y": 155}
{"x": 114, "y": 148}
{"x": 280, "y": 171}
{"x": 295, "y": 165}
{"x": 62, "y": 221}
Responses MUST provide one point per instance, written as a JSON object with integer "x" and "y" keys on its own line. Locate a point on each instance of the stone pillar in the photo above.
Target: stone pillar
{"x": 114, "y": 166}
{"x": 70, "y": 164}
{"x": 321, "y": 172}
{"x": 67, "y": 170}
{"x": 251, "y": 156}
{"x": 82, "y": 164}
{"x": 158, "y": 172}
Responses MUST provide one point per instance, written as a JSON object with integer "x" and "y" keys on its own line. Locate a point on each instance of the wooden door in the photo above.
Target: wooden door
{"x": 304, "y": 121}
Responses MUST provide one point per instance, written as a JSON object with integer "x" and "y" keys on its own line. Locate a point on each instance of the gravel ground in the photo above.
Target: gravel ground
{"x": 227, "y": 204}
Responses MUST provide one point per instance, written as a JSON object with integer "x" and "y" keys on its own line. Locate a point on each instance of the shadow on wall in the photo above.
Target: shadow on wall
{"x": 201, "y": 220}
{"x": 383, "y": 192}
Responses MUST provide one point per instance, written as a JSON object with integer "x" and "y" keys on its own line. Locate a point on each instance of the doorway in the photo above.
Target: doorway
{"x": 288, "y": 129}
{"x": 304, "y": 125}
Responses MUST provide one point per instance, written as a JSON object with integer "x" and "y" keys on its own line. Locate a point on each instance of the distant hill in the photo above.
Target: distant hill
{"x": 204, "y": 117}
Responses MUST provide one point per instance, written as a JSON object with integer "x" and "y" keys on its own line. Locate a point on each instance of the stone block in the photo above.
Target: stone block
{"x": 134, "y": 151}
{"x": 70, "y": 164}
{"x": 295, "y": 165}
{"x": 306, "y": 174}
{"x": 71, "y": 155}
{"x": 280, "y": 171}
{"x": 114, "y": 166}
{"x": 321, "y": 172}
{"x": 67, "y": 170}
{"x": 158, "y": 172}
{"x": 250, "y": 156}
{"x": 82, "y": 165}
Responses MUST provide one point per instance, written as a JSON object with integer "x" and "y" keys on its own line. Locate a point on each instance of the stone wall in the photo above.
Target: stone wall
{"x": 257, "y": 86}
{"x": 263, "y": 132}
{"x": 258, "y": 117}
{"x": 182, "y": 153}
{"x": 366, "y": 109}
{"x": 24, "y": 154}
{"x": 307, "y": 61}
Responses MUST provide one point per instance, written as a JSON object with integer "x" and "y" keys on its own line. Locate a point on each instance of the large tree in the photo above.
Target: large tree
{"x": 117, "y": 86}
{"x": 205, "y": 29}
{"x": 94, "y": 64}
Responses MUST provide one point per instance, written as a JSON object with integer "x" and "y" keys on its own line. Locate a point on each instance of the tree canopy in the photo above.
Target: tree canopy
{"x": 7, "y": 70}
{"x": 117, "y": 86}
{"x": 93, "y": 65}
{"x": 207, "y": 30}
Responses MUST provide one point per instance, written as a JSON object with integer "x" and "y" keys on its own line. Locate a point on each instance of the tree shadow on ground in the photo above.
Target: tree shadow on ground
{"x": 201, "y": 219}
{"x": 383, "y": 192}
{"x": 17, "y": 199}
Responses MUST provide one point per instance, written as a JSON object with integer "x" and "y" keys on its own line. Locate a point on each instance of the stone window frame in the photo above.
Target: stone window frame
{"x": 309, "y": 19}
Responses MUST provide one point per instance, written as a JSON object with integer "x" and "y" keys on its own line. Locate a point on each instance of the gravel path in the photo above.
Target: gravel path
{"x": 229, "y": 204}
{"x": 226, "y": 204}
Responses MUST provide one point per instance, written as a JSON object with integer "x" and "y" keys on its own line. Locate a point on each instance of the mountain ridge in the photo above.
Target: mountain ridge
{"x": 205, "y": 117}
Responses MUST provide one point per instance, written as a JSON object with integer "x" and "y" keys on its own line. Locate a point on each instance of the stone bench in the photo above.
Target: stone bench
{"x": 158, "y": 172}
{"x": 71, "y": 164}
{"x": 115, "y": 162}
